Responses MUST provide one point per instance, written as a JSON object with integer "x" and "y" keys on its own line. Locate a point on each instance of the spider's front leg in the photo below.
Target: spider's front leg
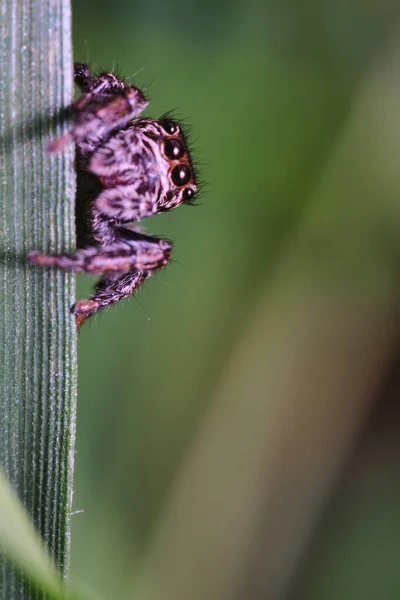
{"x": 107, "y": 103}
{"x": 124, "y": 264}
{"x": 119, "y": 257}
{"x": 110, "y": 289}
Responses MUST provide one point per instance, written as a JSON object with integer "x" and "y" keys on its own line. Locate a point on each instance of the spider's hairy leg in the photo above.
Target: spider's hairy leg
{"x": 110, "y": 289}
{"x": 101, "y": 83}
{"x": 118, "y": 257}
{"x": 107, "y": 103}
{"x": 125, "y": 264}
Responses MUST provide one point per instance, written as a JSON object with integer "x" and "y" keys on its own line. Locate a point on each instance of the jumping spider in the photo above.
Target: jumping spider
{"x": 128, "y": 168}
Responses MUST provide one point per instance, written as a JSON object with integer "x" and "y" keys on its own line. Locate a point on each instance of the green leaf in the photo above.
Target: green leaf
{"x": 22, "y": 544}
{"x": 38, "y": 369}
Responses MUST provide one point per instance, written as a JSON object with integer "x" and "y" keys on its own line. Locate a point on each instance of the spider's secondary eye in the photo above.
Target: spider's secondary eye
{"x": 170, "y": 126}
{"x": 187, "y": 194}
{"x": 181, "y": 175}
{"x": 173, "y": 149}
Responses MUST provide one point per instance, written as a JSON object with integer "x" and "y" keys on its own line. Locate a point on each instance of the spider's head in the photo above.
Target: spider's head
{"x": 145, "y": 169}
{"x": 169, "y": 163}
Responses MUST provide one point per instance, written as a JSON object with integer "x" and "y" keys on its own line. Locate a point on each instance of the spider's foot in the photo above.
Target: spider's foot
{"x": 84, "y": 309}
{"x": 42, "y": 260}
{"x": 57, "y": 145}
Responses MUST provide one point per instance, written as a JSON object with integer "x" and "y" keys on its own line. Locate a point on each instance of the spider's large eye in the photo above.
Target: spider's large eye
{"x": 170, "y": 126}
{"x": 173, "y": 149}
{"x": 181, "y": 175}
{"x": 187, "y": 194}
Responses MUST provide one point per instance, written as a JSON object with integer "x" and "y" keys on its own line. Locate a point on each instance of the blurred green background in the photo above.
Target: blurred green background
{"x": 222, "y": 410}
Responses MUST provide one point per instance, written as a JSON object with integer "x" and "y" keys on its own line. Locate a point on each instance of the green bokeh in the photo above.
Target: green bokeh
{"x": 266, "y": 88}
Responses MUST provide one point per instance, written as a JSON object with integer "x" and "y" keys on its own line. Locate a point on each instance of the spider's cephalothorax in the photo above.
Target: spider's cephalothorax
{"x": 144, "y": 169}
{"x": 128, "y": 168}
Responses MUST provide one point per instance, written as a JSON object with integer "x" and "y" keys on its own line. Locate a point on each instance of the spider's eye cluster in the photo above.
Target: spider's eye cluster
{"x": 181, "y": 173}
